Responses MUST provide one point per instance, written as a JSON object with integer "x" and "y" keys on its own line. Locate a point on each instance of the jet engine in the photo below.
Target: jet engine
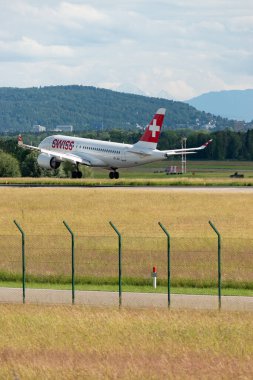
{"x": 48, "y": 162}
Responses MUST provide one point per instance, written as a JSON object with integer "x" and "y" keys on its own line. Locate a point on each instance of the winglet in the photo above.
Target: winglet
{"x": 20, "y": 140}
{"x": 207, "y": 143}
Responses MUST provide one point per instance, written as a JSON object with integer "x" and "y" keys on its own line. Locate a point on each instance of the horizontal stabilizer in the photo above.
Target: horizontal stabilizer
{"x": 178, "y": 153}
{"x": 140, "y": 153}
{"x": 186, "y": 150}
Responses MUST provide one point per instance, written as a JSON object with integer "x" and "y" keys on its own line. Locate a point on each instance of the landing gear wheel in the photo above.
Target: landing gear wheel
{"x": 114, "y": 175}
{"x": 76, "y": 174}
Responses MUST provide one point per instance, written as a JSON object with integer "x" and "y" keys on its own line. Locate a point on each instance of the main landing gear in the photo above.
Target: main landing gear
{"x": 76, "y": 173}
{"x": 114, "y": 174}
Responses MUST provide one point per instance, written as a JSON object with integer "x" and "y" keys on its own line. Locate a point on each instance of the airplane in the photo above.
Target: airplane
{"x": 105, "y": 154}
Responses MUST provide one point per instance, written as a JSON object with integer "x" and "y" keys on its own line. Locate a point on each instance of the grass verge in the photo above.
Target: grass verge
{"x": 133, "y": 288}
{"x": 127, "y": 281}
{"x": 142, "y": 285}
{"x": 93, "y": 182}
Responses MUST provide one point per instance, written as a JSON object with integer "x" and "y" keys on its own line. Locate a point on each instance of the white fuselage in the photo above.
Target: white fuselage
{"x": 102, "y": 153}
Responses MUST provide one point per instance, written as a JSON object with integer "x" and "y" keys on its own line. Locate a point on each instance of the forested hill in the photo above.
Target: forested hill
{"x": 89, "y": 108}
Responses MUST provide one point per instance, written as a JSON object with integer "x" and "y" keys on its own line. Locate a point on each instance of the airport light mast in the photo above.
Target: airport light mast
{"x": 183, "y": 145}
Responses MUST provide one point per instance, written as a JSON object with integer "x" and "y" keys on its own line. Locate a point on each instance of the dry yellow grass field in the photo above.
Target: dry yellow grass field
{"x": 76, "y": 342}
{"x": 135, "y": 212}
{"x": 83, "y": 343}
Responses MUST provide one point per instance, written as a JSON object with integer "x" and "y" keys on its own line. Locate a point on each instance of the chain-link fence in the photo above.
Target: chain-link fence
{"x": 123, "y": 263}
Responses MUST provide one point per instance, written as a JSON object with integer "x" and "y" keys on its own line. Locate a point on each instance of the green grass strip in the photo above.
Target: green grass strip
{"x": 130, "y": 288}
{"x": 187, "y": 181}
{"x": 131, "y": 283}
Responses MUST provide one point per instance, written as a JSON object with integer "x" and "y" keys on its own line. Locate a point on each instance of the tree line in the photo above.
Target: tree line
{"x": 226, "y": 145}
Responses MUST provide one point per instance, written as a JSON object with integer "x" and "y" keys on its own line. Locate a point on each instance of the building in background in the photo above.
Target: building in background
{"x": 64, "y": 128}
{"x": 39, "y": 128}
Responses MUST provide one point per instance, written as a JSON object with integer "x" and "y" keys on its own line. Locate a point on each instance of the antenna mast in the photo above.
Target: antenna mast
{"x": 183, "y": 145}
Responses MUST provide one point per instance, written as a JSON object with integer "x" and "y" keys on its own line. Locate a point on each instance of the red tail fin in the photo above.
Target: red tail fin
{"x": 153, "y": 130}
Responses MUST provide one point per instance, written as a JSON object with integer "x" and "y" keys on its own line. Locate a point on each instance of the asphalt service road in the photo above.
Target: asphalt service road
{"x": 138, "y": 300}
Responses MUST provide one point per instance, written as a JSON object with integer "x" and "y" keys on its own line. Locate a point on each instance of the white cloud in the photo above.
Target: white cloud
{"x": 211, "y": 26}
{"x": 241, "y": 24}
{"x": 74, "y": 16}
{"x": 81, "y": 12}
{"x": 28, "y": 48}
{"x": 34, "y": 49}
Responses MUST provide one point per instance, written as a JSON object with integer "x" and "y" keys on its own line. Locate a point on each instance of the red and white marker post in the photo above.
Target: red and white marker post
{"x": 154, "y": 276}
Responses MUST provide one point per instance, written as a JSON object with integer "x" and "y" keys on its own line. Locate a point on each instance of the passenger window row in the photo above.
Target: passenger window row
{"x": 99, "y": 149}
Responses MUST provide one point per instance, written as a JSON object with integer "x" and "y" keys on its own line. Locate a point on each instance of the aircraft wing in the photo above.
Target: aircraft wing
{"x": 61, "y": 156}
{"x": 186, "y": 151}
{"x": 25, "y": 146}
{"x": 67, "y": 157}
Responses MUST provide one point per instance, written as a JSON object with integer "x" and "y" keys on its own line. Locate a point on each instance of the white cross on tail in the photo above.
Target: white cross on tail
{"x": 154, "y": 128}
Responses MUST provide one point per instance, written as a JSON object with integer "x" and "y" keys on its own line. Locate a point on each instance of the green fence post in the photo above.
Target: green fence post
{"x": 72, "y": 260}
{"x": 219, "y": 261}
{"x": 168, "y": 258}
{"x": 23, "y": 257}
{"x": 120, "y": 268}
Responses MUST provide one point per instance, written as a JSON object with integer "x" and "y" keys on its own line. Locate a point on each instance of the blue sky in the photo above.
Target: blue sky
{"x": 181, "y": 48}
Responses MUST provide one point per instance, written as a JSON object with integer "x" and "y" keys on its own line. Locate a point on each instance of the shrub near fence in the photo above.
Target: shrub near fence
{"x": 121, "y": 260}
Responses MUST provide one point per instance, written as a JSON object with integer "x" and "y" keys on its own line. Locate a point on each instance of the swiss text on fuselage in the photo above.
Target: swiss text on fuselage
{"x": 63, "y": 144}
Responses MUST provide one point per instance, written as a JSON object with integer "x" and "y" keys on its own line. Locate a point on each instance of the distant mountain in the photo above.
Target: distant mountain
{"x": 91, "y": 108}
{"x": 129, "y": 88}
{"x": 235, "y": 104}
{"x": 164, "y": 94}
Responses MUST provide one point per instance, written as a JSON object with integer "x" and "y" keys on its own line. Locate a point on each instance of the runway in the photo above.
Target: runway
{"x": 188, "y": 189}
{"x": 135, "y": 300}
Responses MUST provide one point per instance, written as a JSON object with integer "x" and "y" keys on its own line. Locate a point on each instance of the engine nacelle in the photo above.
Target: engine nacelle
{"x": 48, "y": 162}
